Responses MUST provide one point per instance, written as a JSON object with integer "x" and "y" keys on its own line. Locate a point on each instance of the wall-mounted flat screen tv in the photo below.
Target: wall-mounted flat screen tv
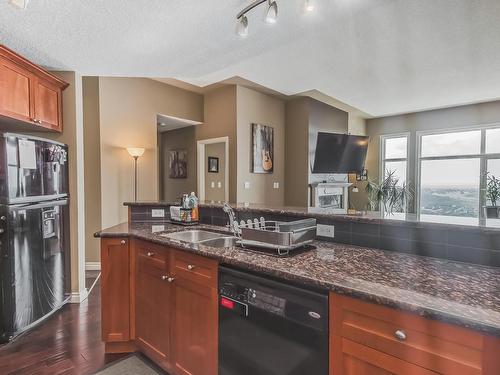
{"x": 340, "y": 153}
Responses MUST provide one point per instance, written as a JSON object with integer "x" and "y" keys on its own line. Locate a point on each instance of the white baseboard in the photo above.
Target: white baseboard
{"x": 92, "y": 266}
{"x": 77, "y": 297}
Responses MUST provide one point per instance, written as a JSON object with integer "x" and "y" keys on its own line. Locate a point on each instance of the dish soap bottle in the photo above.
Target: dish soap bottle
{"x": 193, "y": 204}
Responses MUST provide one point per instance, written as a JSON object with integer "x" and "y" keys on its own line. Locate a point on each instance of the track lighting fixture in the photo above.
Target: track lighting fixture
{"x": 242, "y": 28}
{"x": 21, "y": 4}
{"x": 272, "y": 12}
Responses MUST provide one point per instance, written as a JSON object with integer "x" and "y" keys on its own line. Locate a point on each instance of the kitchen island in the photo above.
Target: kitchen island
{"x": 450, "y": 311}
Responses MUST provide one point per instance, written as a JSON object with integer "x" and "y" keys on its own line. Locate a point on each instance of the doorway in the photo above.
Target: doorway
{"x": 213, "y": 169}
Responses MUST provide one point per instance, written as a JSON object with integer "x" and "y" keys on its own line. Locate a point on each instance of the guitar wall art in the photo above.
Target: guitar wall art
{"x": 263, "y": 148}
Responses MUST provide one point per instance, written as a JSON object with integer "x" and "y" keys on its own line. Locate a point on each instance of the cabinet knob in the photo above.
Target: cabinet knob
{"x": 2, "y": 230}
{"x": 123, "y": 242}
{"x": 190, "y": 267}
{"x": 150, "y": 253}
{"x": 171, "y": 279}
{"x": 164, "y": 277}
{"x": 3, "y": 218}
{"x": 400, "y": 335}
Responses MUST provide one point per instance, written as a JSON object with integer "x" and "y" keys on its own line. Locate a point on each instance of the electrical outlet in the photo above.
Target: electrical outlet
{"x": 157, "y": 212}
{"x": 212, "y": 184}
{"x": 219, "y": 184}
{"x": 325, "y": 230}
{"x": 157, "y": 228}
{"x": 276, "y": 185}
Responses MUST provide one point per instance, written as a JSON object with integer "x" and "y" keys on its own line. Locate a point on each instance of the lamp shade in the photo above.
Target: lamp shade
{"x": 135, "y": 151}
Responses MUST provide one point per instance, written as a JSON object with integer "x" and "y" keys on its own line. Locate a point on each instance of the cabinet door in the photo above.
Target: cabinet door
{"x": 47, "y": 105}
{"x": 115, "y": 289}
{"x": 15, "y": 91}
{"x": 350, "y": 358}
{"x": 152, "y": 324}
{"x": 194, "y": 325}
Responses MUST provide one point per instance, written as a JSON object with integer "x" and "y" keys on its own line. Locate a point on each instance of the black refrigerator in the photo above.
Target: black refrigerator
{"x": 34, "y": 231}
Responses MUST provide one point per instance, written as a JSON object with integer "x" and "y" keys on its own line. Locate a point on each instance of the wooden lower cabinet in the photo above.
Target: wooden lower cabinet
{"x": 115, "y": 291}
{"x": 367, "y": 338}
{"x": 153, "y": 304}
{"x": 194, "y": 328}
{"x": 176, "y": 321}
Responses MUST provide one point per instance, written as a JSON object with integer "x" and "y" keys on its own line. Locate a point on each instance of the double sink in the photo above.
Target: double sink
{"x": 202, "y": 237}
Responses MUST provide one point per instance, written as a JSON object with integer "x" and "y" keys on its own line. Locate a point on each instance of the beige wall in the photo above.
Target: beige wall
{"x": 456, "y": 117}
{"x": 296, "y": 148}
{"x": 128, "y": 109}
{"x": 180, "y": 139}
{"x": 73, "y": 136}
{"x": 255, "y": 107}
{"x": 216, "y": 193}
{"x": 92, "y": 162}
{"x": 220, "y": 121}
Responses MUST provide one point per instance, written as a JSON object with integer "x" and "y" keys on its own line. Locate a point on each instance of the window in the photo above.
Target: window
{"x": 452, "y": 168}
{"x": 395, "y": 157}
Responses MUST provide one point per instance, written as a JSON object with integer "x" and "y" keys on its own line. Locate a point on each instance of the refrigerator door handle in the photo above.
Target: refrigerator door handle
{"x": 61, "y": 202}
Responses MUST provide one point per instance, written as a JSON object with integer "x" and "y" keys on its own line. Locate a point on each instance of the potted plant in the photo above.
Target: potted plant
{"x": 389, "y": 195}
{"x": 493, "y": 196}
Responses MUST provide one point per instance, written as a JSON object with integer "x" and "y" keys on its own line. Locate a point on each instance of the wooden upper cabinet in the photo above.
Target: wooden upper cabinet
{"x": 48, "y": 105}
{"x": 30, "y": 97}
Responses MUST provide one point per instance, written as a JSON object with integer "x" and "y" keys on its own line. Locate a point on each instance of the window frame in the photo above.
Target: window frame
{"x": 383, "y": 160}
{"x": 482, "y": 156}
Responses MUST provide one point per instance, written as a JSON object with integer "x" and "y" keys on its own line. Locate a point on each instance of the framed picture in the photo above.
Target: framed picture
{"x": 178, "y": 164}
{"x": 213, "y": 164}
{"x": 263, "y": 149}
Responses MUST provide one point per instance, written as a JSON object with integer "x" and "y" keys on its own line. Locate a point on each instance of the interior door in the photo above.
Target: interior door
{"x": 15, "y": 91}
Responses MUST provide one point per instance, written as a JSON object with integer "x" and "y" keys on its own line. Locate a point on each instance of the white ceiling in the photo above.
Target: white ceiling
{"x": 380, "y": 56}
{"x": 166, "y": 123}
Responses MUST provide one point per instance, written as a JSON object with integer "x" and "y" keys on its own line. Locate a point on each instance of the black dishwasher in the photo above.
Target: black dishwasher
{"x": 270, "y": 328}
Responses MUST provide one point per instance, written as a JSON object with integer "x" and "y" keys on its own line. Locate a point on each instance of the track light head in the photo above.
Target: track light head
{"x": 242, "y": 27}
{"x": 309, "y": 5}
{"x": 272, "y": 12}
{"x": 21, "y": 4}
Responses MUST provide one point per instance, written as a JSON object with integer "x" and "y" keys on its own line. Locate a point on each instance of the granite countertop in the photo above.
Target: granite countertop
{"x": 459, "y": 293}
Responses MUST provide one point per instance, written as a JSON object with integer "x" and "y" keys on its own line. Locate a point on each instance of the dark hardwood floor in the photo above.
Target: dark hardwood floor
{"x": 69, "y": 342}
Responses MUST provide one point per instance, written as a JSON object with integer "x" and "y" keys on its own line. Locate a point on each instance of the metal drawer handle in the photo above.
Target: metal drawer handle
{"x": 164, "y": 277}
{"x": 150, "y": 253}
{"x": 190, "y": 267}
{"x": 123, "y": 242}
{"x": 400, "y": 335}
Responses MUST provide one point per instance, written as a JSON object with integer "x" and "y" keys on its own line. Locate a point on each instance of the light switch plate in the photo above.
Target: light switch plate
{"x": 212, "y": 184}
{"x": 247, "y": 185}
{"x": 323, "y": 230}
{"x": 219, "y": 184}
{"x": 157, "y": 212}
{"x": 276, "y": 185}
{"x": 157, "y": 228}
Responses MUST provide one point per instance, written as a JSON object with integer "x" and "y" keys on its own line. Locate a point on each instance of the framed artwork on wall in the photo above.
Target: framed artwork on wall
{"x": 178, "y": 164}
{"x": 213, "y": 164}
{"x": 262, "y": 149}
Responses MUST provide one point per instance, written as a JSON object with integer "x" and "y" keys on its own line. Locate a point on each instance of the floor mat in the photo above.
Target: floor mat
{"x": 132, "y": 365}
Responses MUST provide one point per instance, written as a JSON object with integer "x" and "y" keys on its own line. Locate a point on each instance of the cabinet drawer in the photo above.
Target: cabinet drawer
{"x": 436, "y": 346}
{"x": 152, "y": 255}
{"x": 195, "y": 268}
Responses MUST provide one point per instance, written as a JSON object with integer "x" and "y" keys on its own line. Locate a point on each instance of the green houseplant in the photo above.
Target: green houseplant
{"x": 493, "y": 196}
{"x": 389, "y": 195}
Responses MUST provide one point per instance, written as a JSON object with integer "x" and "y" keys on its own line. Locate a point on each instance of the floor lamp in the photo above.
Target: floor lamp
{"x": 135, "y": 152}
